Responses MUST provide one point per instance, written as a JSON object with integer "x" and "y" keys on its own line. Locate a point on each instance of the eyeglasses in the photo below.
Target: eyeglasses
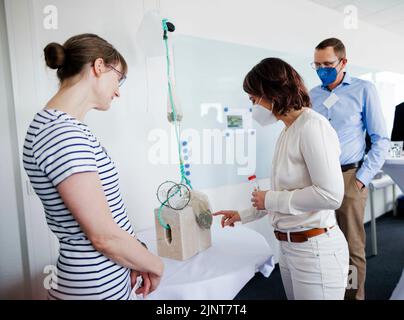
{"x": 252, "y": 99}
{"x": 123, "y": 76}
{"x": 316, "y": 65}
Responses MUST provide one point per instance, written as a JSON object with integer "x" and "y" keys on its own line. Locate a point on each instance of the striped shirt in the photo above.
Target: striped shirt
{"x": 57, "y": 146}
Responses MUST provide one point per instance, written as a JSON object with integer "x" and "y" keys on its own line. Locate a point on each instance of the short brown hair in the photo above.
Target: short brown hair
{"x": 279, "y": 83}
{"x": 336, "y": 44}
{"x": 70, "y": 58}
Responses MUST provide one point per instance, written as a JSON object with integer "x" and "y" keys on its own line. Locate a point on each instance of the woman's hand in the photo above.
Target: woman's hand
{"x": 150, "y": 282}
{"x": 155, "y": 281}
{"x": 229, "y": 217}
{"x": 145, "y": 285}
{"x": 258, "y": 199}
{"x": 133, "y": 278}
{"x": 359, "y": 184}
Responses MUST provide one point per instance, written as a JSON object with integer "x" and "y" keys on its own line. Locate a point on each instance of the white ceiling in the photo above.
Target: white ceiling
{"x": 387, "y": 14}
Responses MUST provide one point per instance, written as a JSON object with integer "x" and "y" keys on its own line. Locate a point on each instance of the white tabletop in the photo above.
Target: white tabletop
{"x": 394, "y": 167}
{"x": 398, "y": 293}
{"x": 394, "y": 161}
{"x": 219, "y": 272}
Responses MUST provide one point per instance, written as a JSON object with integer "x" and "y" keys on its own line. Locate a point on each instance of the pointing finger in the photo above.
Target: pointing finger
{"x": 217, "y": 213}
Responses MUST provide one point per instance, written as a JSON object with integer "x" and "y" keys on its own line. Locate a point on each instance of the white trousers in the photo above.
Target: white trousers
{"x": 316, "y": 269}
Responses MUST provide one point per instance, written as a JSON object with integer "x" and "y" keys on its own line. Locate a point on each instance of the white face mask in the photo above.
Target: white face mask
{"x": 262, "y": 115}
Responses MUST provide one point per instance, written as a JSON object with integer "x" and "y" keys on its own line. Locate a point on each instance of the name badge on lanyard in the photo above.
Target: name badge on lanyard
{"x": 331, "y": 100}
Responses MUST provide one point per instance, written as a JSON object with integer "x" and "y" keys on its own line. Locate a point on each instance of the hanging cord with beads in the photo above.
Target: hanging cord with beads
{"x": 176, "y": 126}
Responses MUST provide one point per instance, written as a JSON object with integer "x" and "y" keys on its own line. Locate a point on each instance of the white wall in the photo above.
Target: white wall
{"x": 290, "y": 26}
{"x": 12, "y": 241}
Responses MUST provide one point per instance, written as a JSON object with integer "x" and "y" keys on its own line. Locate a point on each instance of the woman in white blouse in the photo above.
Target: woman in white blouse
{"x": 307, "y": 185}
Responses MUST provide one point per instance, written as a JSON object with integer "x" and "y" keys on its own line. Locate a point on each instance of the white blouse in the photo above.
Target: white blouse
{"x": 307, "y": 183}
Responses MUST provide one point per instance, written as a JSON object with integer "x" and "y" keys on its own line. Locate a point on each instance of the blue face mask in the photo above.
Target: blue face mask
{"x": 327, "y": 75}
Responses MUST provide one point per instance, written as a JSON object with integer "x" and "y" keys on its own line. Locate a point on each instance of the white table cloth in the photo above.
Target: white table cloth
{"x": 219, "y": 272}
{"x": 394, "y": 167}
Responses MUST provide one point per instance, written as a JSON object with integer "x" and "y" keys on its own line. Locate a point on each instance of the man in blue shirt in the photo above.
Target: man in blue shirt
{"x": 353, "y": 108}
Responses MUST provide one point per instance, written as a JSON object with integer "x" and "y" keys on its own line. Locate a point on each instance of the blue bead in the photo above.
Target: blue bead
{"x": 186, "y": 158}
{"x": 185, "y": 150}
{"x": 187, "y": 173}
{"x": 187, "y": 165}
{"x": 226, "y": 109}
{"x": 184, "y": 143}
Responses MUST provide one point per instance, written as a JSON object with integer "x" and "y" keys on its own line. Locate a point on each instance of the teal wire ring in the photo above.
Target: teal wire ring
{"x": 172, "y": 191}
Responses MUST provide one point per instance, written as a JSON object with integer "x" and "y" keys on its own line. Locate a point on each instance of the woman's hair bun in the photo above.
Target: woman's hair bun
{"x": 54, "y": 55}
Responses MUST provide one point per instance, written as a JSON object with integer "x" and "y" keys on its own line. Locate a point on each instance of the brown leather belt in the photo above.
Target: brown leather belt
{"x": 301, "y": 236}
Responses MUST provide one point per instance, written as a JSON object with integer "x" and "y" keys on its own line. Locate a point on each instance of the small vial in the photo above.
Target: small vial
{"x": 253, "y": 181}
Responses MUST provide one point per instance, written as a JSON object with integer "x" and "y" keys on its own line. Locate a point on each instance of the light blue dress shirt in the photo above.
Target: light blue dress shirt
{"x": 355, "y": 110}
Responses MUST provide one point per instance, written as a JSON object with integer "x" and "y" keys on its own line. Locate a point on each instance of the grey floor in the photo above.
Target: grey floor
{"x": 383, "y": 270}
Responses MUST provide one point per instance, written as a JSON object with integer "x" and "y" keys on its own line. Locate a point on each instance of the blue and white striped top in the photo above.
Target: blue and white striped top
{"x": 57, "y": 146}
